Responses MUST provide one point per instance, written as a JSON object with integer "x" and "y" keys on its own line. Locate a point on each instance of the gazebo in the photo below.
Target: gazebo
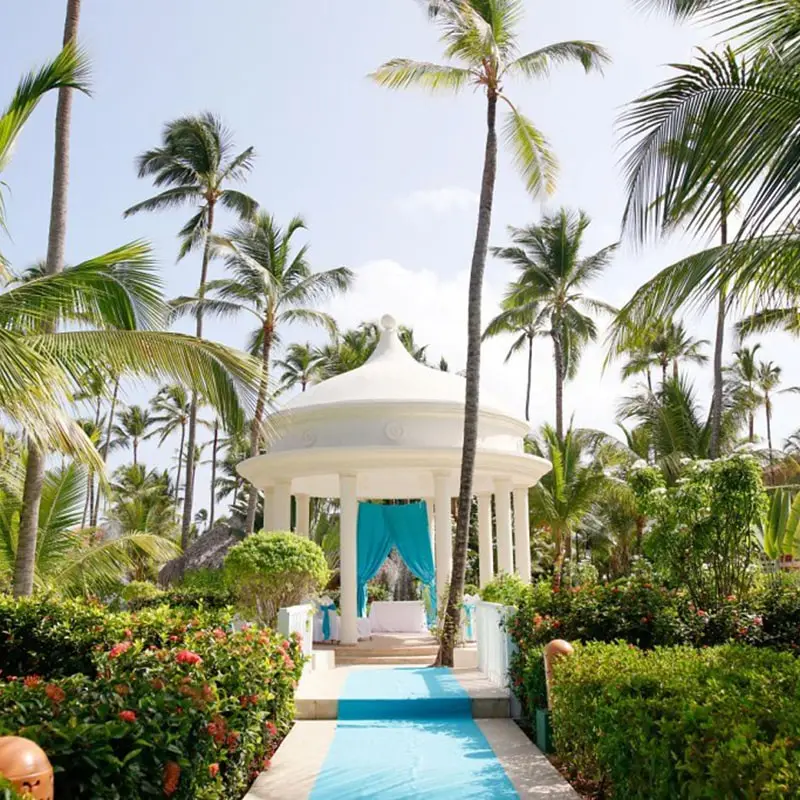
{"x": 392, "y": 429}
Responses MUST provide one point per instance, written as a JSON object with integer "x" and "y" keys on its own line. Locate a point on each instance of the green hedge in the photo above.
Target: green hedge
{"x": 639, "y": 612}
{"x": 721, "y": 722}
{"x": 161, "y": 703}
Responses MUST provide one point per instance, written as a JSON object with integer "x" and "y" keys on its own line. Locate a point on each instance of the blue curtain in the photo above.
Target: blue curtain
{"x": 373, "y": 544}
{"x": 412, "y": 538}
{"x": 381, "y": 527}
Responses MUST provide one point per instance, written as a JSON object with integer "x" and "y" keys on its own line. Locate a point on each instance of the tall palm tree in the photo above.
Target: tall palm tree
{"x": 525, "y": 320}
{"x": 482, "y": 36}
{"x": 742, "y": 118}
{"x": 299, "y": 366}
{"x": 768, "y": 378}
{"x": 132, "y": 425}
{"x": 553, "y": 273}
{"x": 743, "y": 379}
{"x": 171, "y": 409}
{"x": 196, "y": 161}
{"x": 109, "y": 303}
{"x": 275, "y": 284}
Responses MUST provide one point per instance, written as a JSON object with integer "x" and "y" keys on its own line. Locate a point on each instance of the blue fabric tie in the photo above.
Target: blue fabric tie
{"x": 469, "y": 620}
{"x": 326, "y": 620}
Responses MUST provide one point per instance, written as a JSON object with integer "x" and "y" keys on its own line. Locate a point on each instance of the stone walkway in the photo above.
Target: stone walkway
{"x": 399, "y": 732}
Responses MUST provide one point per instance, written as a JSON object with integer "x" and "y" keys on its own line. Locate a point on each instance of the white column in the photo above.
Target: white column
{"x": 485, "y": 550}
{"x": 348, "y": 559}
{"x": 522, "y": 533}
{"x": 282, "y": 515}
{"x": 444, "y": 533}
{"x": 269, "y": 508}
{"x": 429, "y": 503}
{"x": 505, "y": 552}
{"x": 301, "y": 505}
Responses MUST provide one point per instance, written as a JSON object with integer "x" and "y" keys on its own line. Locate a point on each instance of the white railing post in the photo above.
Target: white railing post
{"x": 495, "y": 647}
{"x": 298, "y": 619}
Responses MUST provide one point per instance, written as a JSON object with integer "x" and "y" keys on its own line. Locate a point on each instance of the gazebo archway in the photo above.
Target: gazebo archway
{"x": 392, "y": 429}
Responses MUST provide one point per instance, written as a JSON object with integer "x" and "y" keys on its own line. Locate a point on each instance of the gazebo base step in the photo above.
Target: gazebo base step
{"x": 424, "y": 659}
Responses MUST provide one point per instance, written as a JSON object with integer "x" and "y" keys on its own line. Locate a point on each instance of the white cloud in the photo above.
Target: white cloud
{"x": 439, "y": 201}
{"x": 435, "y": 307}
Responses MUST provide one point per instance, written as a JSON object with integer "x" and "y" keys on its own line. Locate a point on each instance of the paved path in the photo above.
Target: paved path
{"x": 406, "y": 733}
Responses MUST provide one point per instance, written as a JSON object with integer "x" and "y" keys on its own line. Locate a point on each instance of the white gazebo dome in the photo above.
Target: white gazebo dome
{"x": 396, "y": 423}
{"x": 393, "y": 429}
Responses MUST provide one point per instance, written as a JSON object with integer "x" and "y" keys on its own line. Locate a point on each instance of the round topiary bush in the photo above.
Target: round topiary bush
{"x": 271, "y": 570}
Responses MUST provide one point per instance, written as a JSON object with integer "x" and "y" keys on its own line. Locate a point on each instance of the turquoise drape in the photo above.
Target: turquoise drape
{"x": 381, "y": 527}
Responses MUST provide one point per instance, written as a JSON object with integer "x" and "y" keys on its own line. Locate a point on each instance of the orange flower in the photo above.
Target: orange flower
{"x": 127, "y": 716}
{"x": 172, "y": 776}
{"x": 118, "y": 649}
{"x": 213, "y": 770}
{"x": 55, "y": 693}
{"x": 31, "y": 681}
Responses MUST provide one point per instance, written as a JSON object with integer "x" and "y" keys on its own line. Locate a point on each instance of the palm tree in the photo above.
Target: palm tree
{"x": 743, "y": 381}
{"x": 196, "y": 161}
{"x": 525, "y": 320}
{"x": 741, "y": 118}
{"x": 483, "y": 37}
{"x": 768, "y": 378}
{"x": 71, "y": 561}
{"x": 566, "y": 494}
{"x": 132, "y": 425}
{"x": 299, "y": 366}
{"x": 553, "y": 274}
{"x": 171, "y": 410}
{"x": 275, "y": 284}
{"x": 105, "y": 300}
{"x": 658, "y": 345}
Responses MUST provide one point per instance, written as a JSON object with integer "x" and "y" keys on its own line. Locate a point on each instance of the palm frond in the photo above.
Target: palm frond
{"x": 400, "y": 73}
{"x": 538, "y": 63}
{"x": 531, "y": 153}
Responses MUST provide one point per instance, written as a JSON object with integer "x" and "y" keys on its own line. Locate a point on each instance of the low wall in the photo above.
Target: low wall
{"x": 298, "y": 619}
{"x": 494, "y": 644}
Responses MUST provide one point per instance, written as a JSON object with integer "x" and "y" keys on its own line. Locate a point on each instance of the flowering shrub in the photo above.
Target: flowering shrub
{"x": 702, "y": 532}
{"x": 192, "y": 711}
{"x": 680, "y": 722}
{"x": 504, "y": 589}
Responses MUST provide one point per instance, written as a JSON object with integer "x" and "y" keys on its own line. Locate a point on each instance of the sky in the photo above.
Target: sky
{"x": 386, "y": 181}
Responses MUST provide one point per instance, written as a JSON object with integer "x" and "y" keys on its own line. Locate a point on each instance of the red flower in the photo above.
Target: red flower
{"x": 233, "y": 740}
{"x": 118, "y": 649}
{"x": 11, "y": 678}
{"x": 127, "y": 716}
{"x": 267, "y": 763}
{"x": 286, "y": 644}
{"x": 128, "y": 633}
{"x": 172, "y": 775}
{"x": 213, "y": 770}
{"x": 188, "y": 657}
{"x": 272, "y": 730}
{"x": 701, "y": 613}
{"x": 758, "y": 621}
{"x": 157, "y": 684}
{"x": 31, "y": 681}
{"x": 55, "y": 693}
{"x": 173, "y": 638}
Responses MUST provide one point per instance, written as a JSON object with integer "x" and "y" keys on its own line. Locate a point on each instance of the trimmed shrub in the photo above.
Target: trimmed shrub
{"x": 175, "y": 706}
{"x": 680, "y": 722}
{"x": 507, "y": 590}
{"x": 271, "y": 570}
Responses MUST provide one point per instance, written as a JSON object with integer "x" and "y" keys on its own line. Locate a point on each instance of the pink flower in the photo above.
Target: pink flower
{"x": 128, "y": 633}
{"x": 188, "y": 657}
{"x": 758, "y": 621}
{"x": 118, "y": 649}
{"x": 127, "y": 716}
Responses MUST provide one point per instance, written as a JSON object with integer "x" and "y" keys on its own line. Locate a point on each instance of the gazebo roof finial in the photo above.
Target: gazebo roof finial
{"x": 388, "y": 322}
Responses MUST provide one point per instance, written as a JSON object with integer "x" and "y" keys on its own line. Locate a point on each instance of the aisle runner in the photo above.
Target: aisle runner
{"x": 409, "y": 733}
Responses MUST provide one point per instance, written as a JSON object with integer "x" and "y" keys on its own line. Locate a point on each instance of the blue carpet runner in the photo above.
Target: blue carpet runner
{"x": 409, "y": 733}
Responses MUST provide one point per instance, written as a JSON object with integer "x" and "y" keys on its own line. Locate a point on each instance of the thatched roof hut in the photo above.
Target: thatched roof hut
{"x": 206, "y": 552}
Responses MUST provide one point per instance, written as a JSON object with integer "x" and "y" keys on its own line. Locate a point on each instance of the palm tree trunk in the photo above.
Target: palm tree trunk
{"x": 528, "y": 387}
{"x": 471, "y": 400}
{"x": 135, "y": 452}
{"x": 649, "y": 381}
{"x": 56, "y": 239}
{"x": 558, "y": 354}
{"x": 188, "y": 493}
{"x": 675, "y": 369}
{"x": 180, "y": 462}
{"x": 716, "y": 399}
{"x": 255, "y": 429}
{"x": 752, "y": 427}
{"x": 663, "y": 374}
{"x": 25, "y": 563}
{"x": 214, "y": 448}
{"x": 106, "y": 447}
{"x": 768, "y": 409}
